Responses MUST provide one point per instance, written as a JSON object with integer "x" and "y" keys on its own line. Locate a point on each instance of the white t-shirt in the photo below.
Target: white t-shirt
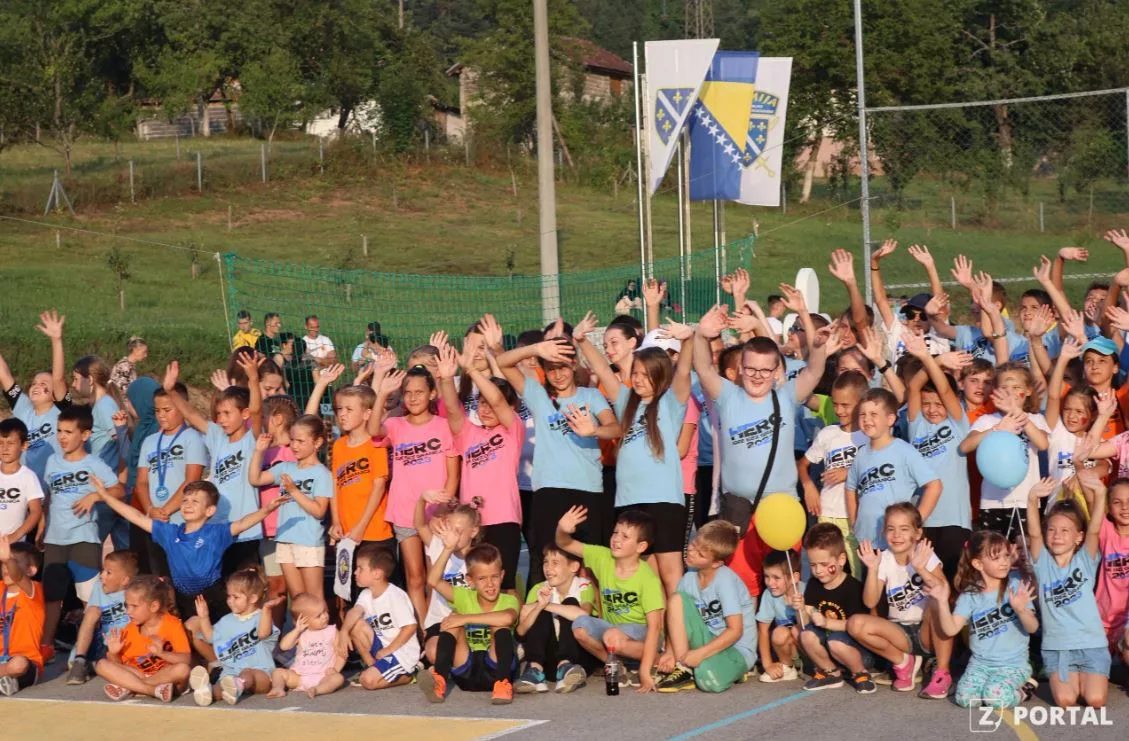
{"x": 16, "y": 490}
{"x": 895, "y": 348}
{"x": 992, "y": 496}
{"x": 454, "y": 574}
{"x": 834, "y": 448}
{"x": 1060, "y": 453}
{"x": 387, "y": 615}
{"x": 775, "y": 326}
{"x": 905, "y": 590}
{"x": 319, "y": 347}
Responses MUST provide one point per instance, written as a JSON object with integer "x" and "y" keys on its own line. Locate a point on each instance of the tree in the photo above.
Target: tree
{"x": 274, "y": 92}
{"x": 118, "y": 263}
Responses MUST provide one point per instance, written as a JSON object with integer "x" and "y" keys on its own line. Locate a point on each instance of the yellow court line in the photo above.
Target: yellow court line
{"x": 1022, "y": 730}
{"x": 27, "y": 718}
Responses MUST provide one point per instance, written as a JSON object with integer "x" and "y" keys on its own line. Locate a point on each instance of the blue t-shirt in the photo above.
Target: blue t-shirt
{"x": 746, "y": 439}
{"x": 229, "y": 473}
{"x": 296, "y": 525}
{"x": 997, "y": 637}
{"x": 939, "y": 444}
{"x": 641, "y": 478}
{"x": 1052, "y": 342}
{"x": 194, "y": 558}
{"x": 1068, "y": 610}
{"x": 66, "y": 483}
{"x": 880, "y": 478}
{"x": 182, "y": 448}
{"x": 102, "y": 442}
{"x": 724, "y": 596}
{"x": 776, "y": 610}
{"x": 563, "y": 459}
{"x": 705, "y": 439}
{"x": 973, "y": 340}
{"x": 112, "y": 606}
{"x": 238, "y": 645}
{"x": 41, "y": 437}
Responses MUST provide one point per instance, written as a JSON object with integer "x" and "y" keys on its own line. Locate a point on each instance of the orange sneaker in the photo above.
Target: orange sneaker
{"x": 503, "y": 693}
{"x": 433, "y": 685}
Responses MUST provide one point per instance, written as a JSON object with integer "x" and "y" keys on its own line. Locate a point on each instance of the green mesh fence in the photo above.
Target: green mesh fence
{"x": 410, "y": 307}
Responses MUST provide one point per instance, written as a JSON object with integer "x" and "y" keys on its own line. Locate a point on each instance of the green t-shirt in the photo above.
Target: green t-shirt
{"x": 826, "y": 411}
{"x": 465, "y": 602}
{"x": 624, "y": 602}
{"x": 580, "y": 590}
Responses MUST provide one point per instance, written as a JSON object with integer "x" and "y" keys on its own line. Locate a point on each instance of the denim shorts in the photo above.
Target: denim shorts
{"x": 1078, "y": 660}
{"x": 403, "y": 533}
{"x": 596, "y": 627}
{"x": 842, "y": 636}
{"x": 913, "y": 635}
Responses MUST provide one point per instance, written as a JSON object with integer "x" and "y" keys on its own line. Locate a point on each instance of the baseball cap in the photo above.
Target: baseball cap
{"x": 918, "y": 301}
{"x": 1101, "y": 345}
{"x": 652, "y": 339}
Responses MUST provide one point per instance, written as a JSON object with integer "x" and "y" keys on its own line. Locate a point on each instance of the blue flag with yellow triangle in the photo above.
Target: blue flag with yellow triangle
{"x": 719, "y": 127}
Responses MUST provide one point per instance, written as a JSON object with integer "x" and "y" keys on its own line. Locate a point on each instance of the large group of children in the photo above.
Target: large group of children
{"x": 188, "y": 551}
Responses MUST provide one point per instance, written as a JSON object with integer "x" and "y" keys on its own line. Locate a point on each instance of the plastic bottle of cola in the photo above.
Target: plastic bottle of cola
{"x": 611, "y": 675}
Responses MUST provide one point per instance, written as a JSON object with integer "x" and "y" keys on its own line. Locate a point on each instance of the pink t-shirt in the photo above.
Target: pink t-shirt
{"x": 267, "y": 494}
{"x": 490, "y": 461}
{"x": 419, "y": 463}
{"x": 1121, "y": 442}
{"x": 1113, "y": 580}
{"x": 317, "y": 652}
{"x": 690, "y": 460}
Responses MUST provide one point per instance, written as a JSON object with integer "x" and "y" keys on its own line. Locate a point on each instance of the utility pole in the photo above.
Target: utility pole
{"x": 546, "y": 184}
{"x": 401, "y": 15}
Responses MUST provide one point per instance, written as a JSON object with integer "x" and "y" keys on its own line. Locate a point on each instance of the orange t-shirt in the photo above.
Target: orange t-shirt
{"x": 355, "y": 469}
{"x": 21, "y": 623}
{"x": 135, "y": 644}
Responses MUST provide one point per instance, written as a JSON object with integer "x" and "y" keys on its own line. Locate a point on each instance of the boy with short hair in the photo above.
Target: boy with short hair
{"x": 73, "y": 551}
{"x": 476, "y": 646}
{"x": 21, "y": 496}
{"x": 885, "y": 470}
{"x": 104, "y": 612}
{"x": 22, "y": 613}
{"x": 830, "y": 598}
{"x": 382, "y": 623}
{"x": 545, "y": 625}
{"x": 632, "y": 598}
{"x": 709, "y": 619}
{"x": 247, "y": 335}
{"x": 778, "y": 631}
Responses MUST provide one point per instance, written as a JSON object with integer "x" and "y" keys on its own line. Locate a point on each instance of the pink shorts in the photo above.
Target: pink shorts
{"x": 313, "y": 678}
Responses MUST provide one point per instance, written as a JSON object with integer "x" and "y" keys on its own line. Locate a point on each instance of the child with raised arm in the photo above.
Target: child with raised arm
{"x": 778, "y": 629}
{"x": 21, "y": 510}
{"x": 21, "y": 618}
{"x": 465, "y": 520}
{"x": 1071, "y": 415}
{"x": 317, "y": 663}
{"x": 1065, "y": 557}
{"x": 382, "y": 624}
{"x": 105, "y": 611}
{"x": 308, "y": 486}
{"x": 150, "y": 656}
{"x": 243, "y": 641}
{"x": 279, "y": 415}
{"x": 476, "y": 647}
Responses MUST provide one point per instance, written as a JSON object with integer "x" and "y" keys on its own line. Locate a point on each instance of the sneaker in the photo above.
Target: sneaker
{"x": 163, "y": 692}
{"x": 48, "y": 653}
{"x": 9, "y": 686}
{"x": 905, "y": 674}
{"x": 679, "y": 680}
{"x": 503, "y": 692}
{"x": 201, "y": 686}
{"x": 231, "y": 689}
{"x": 939, "y": 685}
{"x": 864, "y": 685}
{"x": 78, "y": 673}
{"x": 821, "y": 681}
{"x": 433, "y": 685}
{"x": 628, "y": 678}
{"x": 116, "y": 693}
{"x": 789, "y": 674}
{"x": 531, "y": 680}
{"x": 882, "y": 677}
{"x": 1028, "y": 690}
{"x": 570, "y": 678}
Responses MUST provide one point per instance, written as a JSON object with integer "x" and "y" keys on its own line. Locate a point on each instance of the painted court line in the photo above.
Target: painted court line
{"x": 738, "y": 717}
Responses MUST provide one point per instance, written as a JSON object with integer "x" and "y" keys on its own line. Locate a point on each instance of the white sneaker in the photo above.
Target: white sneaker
{"x": 201, "y": 686}
{"x": 231, "y": 688}
{"x": 789, "y": 675}
{"x": 9, "y": 686}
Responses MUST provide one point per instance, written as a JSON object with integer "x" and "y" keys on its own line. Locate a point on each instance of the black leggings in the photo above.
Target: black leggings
{"x": 549, "y": 504}
{"x": 703, "y": 495}
{"x": 546, "y": 646}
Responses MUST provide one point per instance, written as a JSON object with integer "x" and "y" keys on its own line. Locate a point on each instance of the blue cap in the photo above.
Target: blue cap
{"x": 1101, "y": 345}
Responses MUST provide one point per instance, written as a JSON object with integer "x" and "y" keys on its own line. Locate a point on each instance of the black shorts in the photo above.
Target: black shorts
{"x": 240, "y": 555}
{"x": 63, "y": 565}
{"x": 216, "y": 597}
{"x": 432, "y": 631}
{"x": 948, "y": 543}
{"x": 478, "y": 672}
{"x": 670, "y": 525}
{"x": 506, "y": 537}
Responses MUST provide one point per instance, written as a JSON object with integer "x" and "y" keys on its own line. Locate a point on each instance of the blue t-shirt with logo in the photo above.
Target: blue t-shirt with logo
{"x": 705, "y": 439}
{"x": 724, "y": 596}
{"x": 939, "y": 444}
{"x": 1068, "y": 610}
{"x": 229, "y": 473}
{"x": 194, "y": 558}
{"x": 178, "y": 450}
{"x": 563, "y": 459}
{"x": 997, "y": 638}
{"x": 880, "y": 478}
{"x": 239, "y": 646}
{"x": 296, "y": 525}
{"x": 112, "y": 606}
{"x": 641, "y": 478}
{"x": 776, "y": 610}
{"x": 746, "y": 439}
{"x": 41, "y": 437}
{"x": 66, "y": 483}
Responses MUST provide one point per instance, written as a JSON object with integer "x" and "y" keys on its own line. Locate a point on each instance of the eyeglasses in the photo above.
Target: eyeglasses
{"x": 913, "y": 314}
{"x": 760, "y": 372}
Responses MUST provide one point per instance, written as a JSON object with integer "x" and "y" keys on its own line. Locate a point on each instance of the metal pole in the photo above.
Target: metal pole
{"x": 864, "y": 148}
{"x": 546, "y": 184}
{"x": 952, "y": 214}
{"x": 685, "y": 161}
{"x": 721, "y": 237}
{"x": 1127, "y": 130}
{"x": 783, "y": 198}
{"x": 1042, "y": 226}
{"x": 649, "y": 272}
{"x": 321, "y": 155}
{"x": 132, "y": 194}
{"x": 640, "y": 173}
{"x": 199, "y": 173}
{"x": 716, "y": 255}
{"x": 263, "y": 160}
{"x": 681, "y": 233}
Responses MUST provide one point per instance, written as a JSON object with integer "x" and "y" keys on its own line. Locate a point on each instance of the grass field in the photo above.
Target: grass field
{"x": 436, "y": 217}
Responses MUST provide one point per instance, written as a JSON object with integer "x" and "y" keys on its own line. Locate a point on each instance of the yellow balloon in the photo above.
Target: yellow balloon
{"x": 780, "y": 521}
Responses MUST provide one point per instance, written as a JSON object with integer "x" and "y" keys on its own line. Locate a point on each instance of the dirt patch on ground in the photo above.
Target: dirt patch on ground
{"x": 268, "y": 214}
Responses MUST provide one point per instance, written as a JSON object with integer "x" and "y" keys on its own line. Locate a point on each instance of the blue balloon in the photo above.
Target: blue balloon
{"x": 1002, "y": 459}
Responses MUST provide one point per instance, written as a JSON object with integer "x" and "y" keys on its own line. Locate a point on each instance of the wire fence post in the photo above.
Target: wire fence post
{"x": 364, "y": 244}
{"x": 132, "y": 195}
{"x": 263, "y": 160}
{"x": 321, "y": 155}
{"x": 199, "y": 173}
{"x": 1042, "y": 227}
{"x": 953, "y": 212}
{"x": 177, "y": 135}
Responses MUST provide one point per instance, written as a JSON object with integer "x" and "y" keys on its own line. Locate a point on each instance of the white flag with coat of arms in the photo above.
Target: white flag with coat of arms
{"x": 764, "y": 147}
{"x": 675, "y": 71}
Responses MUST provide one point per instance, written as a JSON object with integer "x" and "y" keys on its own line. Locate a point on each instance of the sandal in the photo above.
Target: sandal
{"x": 116, "y": 692}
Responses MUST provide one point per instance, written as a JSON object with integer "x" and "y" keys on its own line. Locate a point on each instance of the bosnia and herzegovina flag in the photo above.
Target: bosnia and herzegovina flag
{"x": 719, "y": 127}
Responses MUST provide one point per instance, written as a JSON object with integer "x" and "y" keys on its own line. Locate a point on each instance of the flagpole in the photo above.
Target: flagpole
{"x": 649, "y": 239}
{"x": 716, "y": 253}
{"x": 681, "y": 234}
{"x": 639, "y": 171}
{"x": 685, "y": 160}
{"x": 864, "y": 150}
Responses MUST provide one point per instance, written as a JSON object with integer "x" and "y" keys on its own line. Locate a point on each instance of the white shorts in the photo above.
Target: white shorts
{"x": 302, "y": 556}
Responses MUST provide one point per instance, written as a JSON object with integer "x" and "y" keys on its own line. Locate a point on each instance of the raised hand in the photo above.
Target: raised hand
{"x": 830, "y": 339}
{"x": 114, "y": 642}
{"x": 201, "y": 607}
{"x": 920, "y": 253}
{"x": 887, "y": 248}
{"x": 51, "y": 324}
{"x": 741, "y": 281}
{"x": 653, "y": 293}
{"x": 938, "y": 305}
{"x": 392, "y": 382}
{"x": 1070, "y": 348}
{"x": 1021, "y": 595}
{"x": 1118, "y": 238}
{"x": 962, "y": 271}
{"x": 571, "y": 520}
{"x": 868, "y": 555}
{"x": 915, "y": 344}
{"x": 677, "y": 331}
{"x": 301, "y": 624}
{"x": 1042, "y": 489}
{"x": 448, "y": 362}
{"x": 220, "y": 380}
{"x": 1012, "y": 422}
{"x": 580, "y": 420}
{"x": 250, "y": 366}
{"x": 330, "y": 374}
{"x": 939, "y": 591}
{"x": 286, "y": 484}
{"x": 1075, "y": 325}
{"x": 491, "y": 330}
{"x": 871, "y": 346}
{"x": 793, "y": 299}
{"x": 586, "y": 326}
{"x": 842, "y": 266}
{"x": 386, "y": 360}
{"x": 438, "y": 339}
{"x": 1075, "y": 254}
{"x": 726, "y": 283}
{"x": 263, "y": 442}
{"x": 920, "y": 555}
{"x": 1040, "y": 322}
{"x": 1042, "y": 271}
{"x": 1118, "y": 317}
{"x": 557, "y": 350}
{"x": 743, "y": 323}
{"x": 713, "y": 321}
{"x": 954, "y": 360}
{"x": 1107, "y": 404}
